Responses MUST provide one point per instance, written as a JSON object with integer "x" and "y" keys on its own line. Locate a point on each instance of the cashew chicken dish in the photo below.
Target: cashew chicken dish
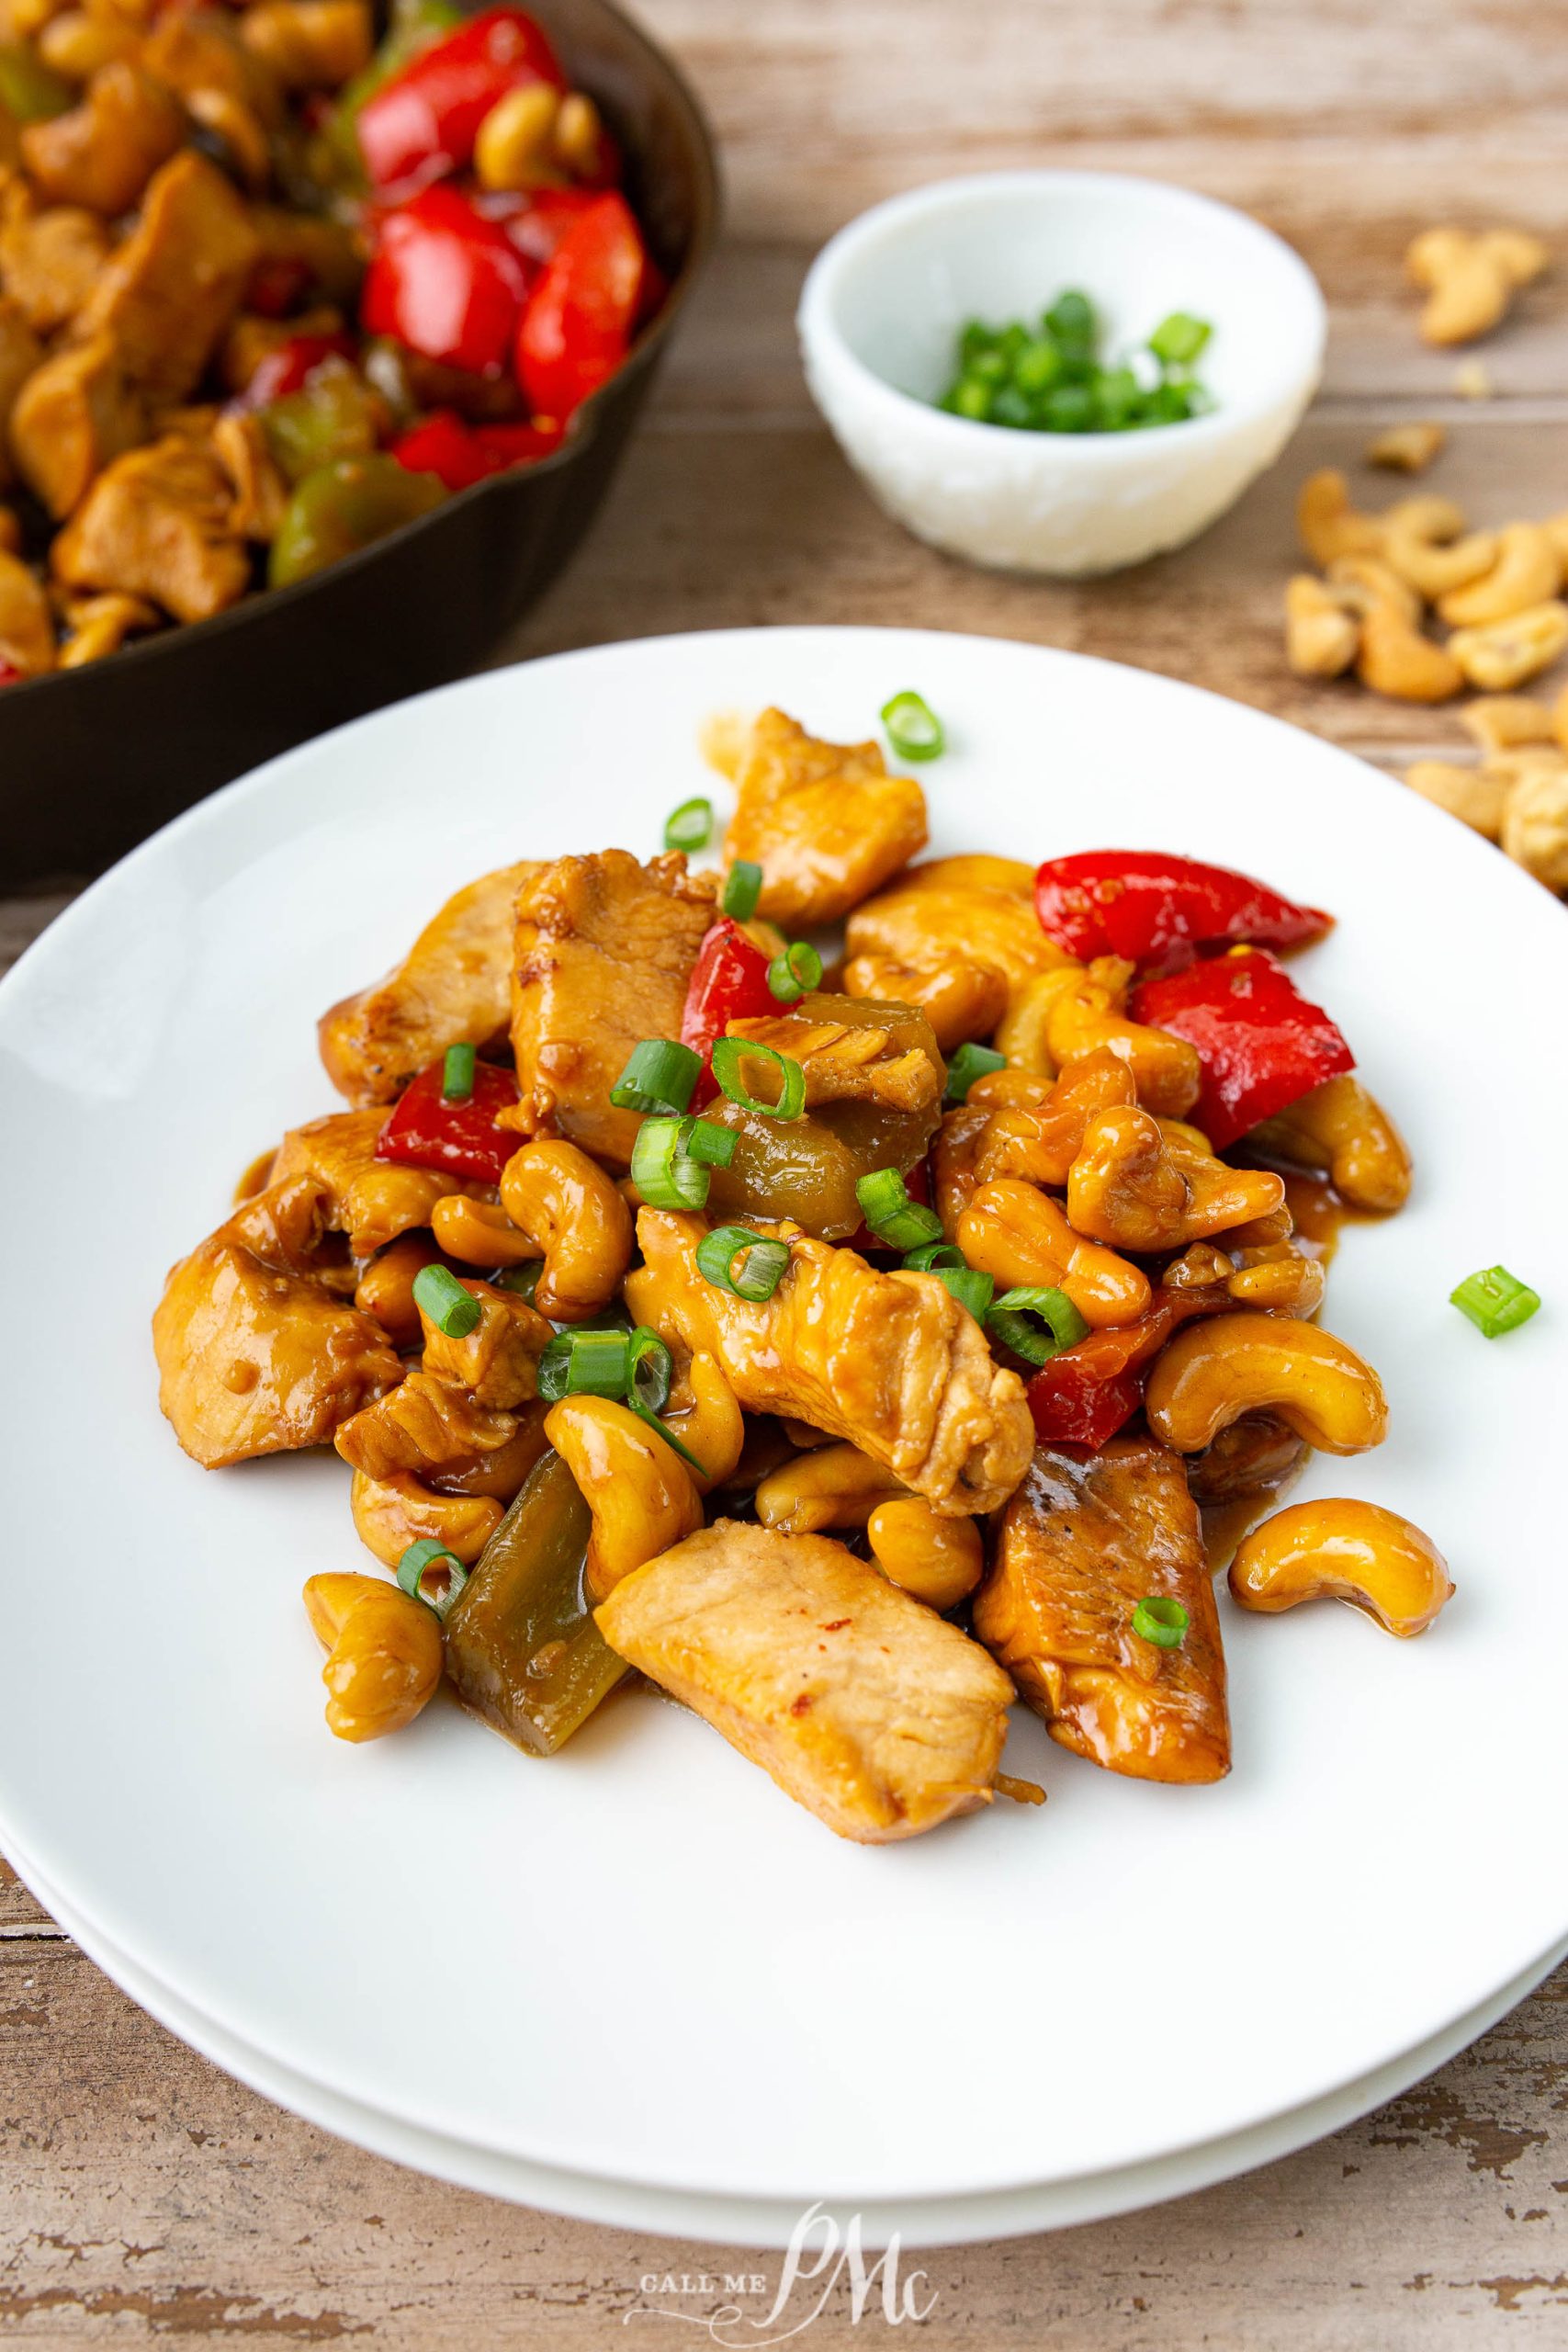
{"x": 848, "y": 1352}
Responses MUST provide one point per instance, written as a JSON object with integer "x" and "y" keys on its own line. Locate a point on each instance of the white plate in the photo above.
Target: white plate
{"x": 639, "y": 1961}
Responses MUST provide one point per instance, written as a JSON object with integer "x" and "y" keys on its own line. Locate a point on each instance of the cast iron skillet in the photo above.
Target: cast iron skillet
{"x": 92, "y": 759}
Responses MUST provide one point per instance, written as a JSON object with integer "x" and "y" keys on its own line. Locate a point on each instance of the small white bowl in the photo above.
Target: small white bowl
{"x": 879, "y": 319}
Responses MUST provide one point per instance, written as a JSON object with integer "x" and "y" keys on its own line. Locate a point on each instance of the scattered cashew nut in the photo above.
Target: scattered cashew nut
{"x": 1535, "y": 825}
{"x": 1396, "y": 660}
{"x": 1527, "y": 571}
{"x": 1471, "y": 280}
{"x": 1473, "y": 794}
{"x": 1406, "y": 448}
{"x": 1322, "y": 634}
{"x": 1343, "y": 1130}
{"x": 384, "y": 1653}
{"x": 1503, "y": 654}
{"x": 1504, "y": 722}
{"x": 1329, "y": 525}
{"x": 1350, "y": 1551}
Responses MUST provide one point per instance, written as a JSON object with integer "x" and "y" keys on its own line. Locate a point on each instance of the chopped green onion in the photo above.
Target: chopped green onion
{"x": 439, "y": 1295}
{"x": 687, "y": 1456}
{"x": 690, "y": 826}
{"x": 585, "y": 1362}
{"x": 1177, "y": 340}
{"x": 969, "y": 1063}
{"x": 969, "y": 1287}
{"x": 662, "y": 1170}
{"x": 797, "y": 969}
{"x": 1160, "y": 1621}
{"x": 705, "y": 1141}
{"x": 1016, "y": 1318}
{"x": 762, "y": 1263}
{"x": 893, "y": 1217}
{"x": 933, "y": 1254}
{"x": 659, "y": 1077}
{"x": 457, "y": 1073}
{"x": 913, "y": 728}
{"x": 1071, "y": 319}
{"x": 446, "y": 1573}
{"x": 522, "y": 1279}
{"x": 650, "y": 1368}
{"x": 1496, "y": 1301}
{"x": 742, "y": 888}
{"x": 729, "y": 1058}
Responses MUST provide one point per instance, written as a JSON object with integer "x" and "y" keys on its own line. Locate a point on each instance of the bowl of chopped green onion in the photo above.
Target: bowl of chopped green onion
{"x": 1059, "y": 372}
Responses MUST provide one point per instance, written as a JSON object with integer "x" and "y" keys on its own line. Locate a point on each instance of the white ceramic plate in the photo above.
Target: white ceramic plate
{"x": 638, "y": 1962}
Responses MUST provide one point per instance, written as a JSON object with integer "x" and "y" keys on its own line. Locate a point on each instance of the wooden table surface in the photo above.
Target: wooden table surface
{"x": 144, "y": 2195}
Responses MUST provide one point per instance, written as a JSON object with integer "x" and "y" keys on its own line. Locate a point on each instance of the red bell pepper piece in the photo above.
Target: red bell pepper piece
{"x": 1083, "y": 1396}
{"x": 423, "y": 123}
{"x": 1156, "y": 909}
{"x": 460, "y": 454}
{"x": 1262, "y": 1046}
{"x": 424, "y": 1130}
{"x": 577, "y": 327}
{"x": 288, "y": 366}
{"x": 10, "y": 675}
{"x": 447, "y": 281}
{"x": 729, "y": 982}
{"x": 536, "y": 222}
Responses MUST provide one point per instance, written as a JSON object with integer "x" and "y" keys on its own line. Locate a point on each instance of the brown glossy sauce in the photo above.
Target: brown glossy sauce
{"x": 1318, "y": 1212}
{"x": 254, "y": 1180}
{"x": 1226, "y": 1524}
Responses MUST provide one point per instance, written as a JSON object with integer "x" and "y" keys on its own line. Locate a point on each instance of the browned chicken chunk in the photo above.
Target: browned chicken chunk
{"x": 260, "y": 491}
{"x": 891, "y": 1361}
{"x": 198, "y": 52}
{"x": 1082, "y": 1543}
{"x": 73, "y": 416}
{"x": 850, "y": 1060}
{"x": 371, "y": 1200}
{"x": 169, "y": 292}
{"x": 256, "y": 1354}
{"x": 864, "y": 1705}
{"x": 156, "y": 524}
{"x": 453, "y": 988}
{"x": 603, "y": 950}
{"x": 978, "y": 908}
{"x": 50, "y": 259}
{"x": 422, "y": 1426}
{"x": 20, "y": 352}
{"x": 825, "y": 821}
{"x": 100, "y": 625}
{"x": 27, "y": 626}
{"x": 102, "y": 152}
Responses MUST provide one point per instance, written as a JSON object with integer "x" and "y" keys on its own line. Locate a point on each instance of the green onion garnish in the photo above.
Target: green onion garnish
{"x": 729, "y": 1056}
{"x": 969, "y": 1287}
{"x": 457, "y": 1073}
{"x": 747, "y": 1264}
{"x": 893, "y": 1217}
{"x": 1016, "y": 1316}
{"x": 742, "y": 888}
{"x": 1177, "y": 340}
{"x": 650, "y": 1368}
{"x": 933, "y": 1254}
{"x": 705, "y": 1141}
{"x": 659, "y": 1077}
{"x": 447, "y": 1573}
{"x": 969, "y": 1063}
{"x": 913, "y": 728}
{"x": 662, "y": 1170}
{"x": 1496, "y": 1301}
{"x": 440, "y": 1297}
{"x": 797, "y": 969}
{"x": 587, "y": 1363}
{"x": 522, "y": 1279}
{"x": 690, "y": 826}
{"x": 1161, "y": 1622}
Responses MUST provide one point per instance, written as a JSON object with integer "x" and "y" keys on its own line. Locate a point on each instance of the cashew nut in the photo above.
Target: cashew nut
{"x": 1279, "y": 1279}
{"x": 385, "y": 1289}
{"x": 391, "y": 1513}
{"x": 1038, "y": 1135}
{"x": 478, "y": 1233}
{"x": 1505, "y": 722}
{"x": 1085, "y": 1017}
{"x": 938, "y": 1560}
{"x": 1328, "y": 523}
{"x": 704, "y": 1414}
{"x": 384, "y": 1653}
{"x": 1535, "y": 825}
{"x": 1020, "y": 1235}
{"x": 953, "y": 1155}
{"x": 1423, "y": 543}
{"x": 1527, "y": 571}
{"x": 580, "y": 144}
{"x": 1503, "y": 654}
{"x": 1396, "y": 660}
{"x": 1473, "y": 794}
{"x": 1343, "y": 1130}
{"x": 960, "y": 998}
{"x": 1470, "y": 281}
{"x": 1351, "y": 1551}
{"x": 515, "y": 146}
{"x": 569, "y": 1207}
{"x": 1215, "y": 1371}
{"x": 834, "y": 1486}
{"x": 1363, "y": 580}
{"x": 1145, "y": 1183}
{"x": 1322, "y": 634}
{"x": 636, "y": 1487}
{"x": 1406, "y": 448}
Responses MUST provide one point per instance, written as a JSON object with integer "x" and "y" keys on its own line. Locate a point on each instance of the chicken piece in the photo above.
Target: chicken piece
{"x": 100, "y": 625}
{"x": 422, "y": 1427}
{"x": 102, "y": 154}
{"x": 864, "y": 1705}
{"x": 860, "y": 1060}
{"x": 256, "y": 1354}
{"x": 1034, "y": 1128}
{"x": 72, "y": 416}
{"x": 825, "y": 821}
{"x": 370, "y": 1200}
{"x": 981, "y": 909}
{"x": 603, "y": 952}
{"x": 308, "y": 44}
{"x": 26, "y": 625}
{"x": 50, "y": 259}
{"x": 171, "y": 289}
{"x": 156, "y": 524}
{"x": 260, "y": 492}
{"x": 198, "y": 53}
{"x": 891, "y": 1361}
{"x": 497, "y": 1363}
{"x": 1081, "y": 1543}
{"x": 453, "y": 988}
{"x": 20, "y": 353}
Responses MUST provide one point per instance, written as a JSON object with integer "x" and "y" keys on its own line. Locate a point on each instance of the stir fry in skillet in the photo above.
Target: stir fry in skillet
{"x": 848, "y": 1354}
{"x": 271, "y": 288}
